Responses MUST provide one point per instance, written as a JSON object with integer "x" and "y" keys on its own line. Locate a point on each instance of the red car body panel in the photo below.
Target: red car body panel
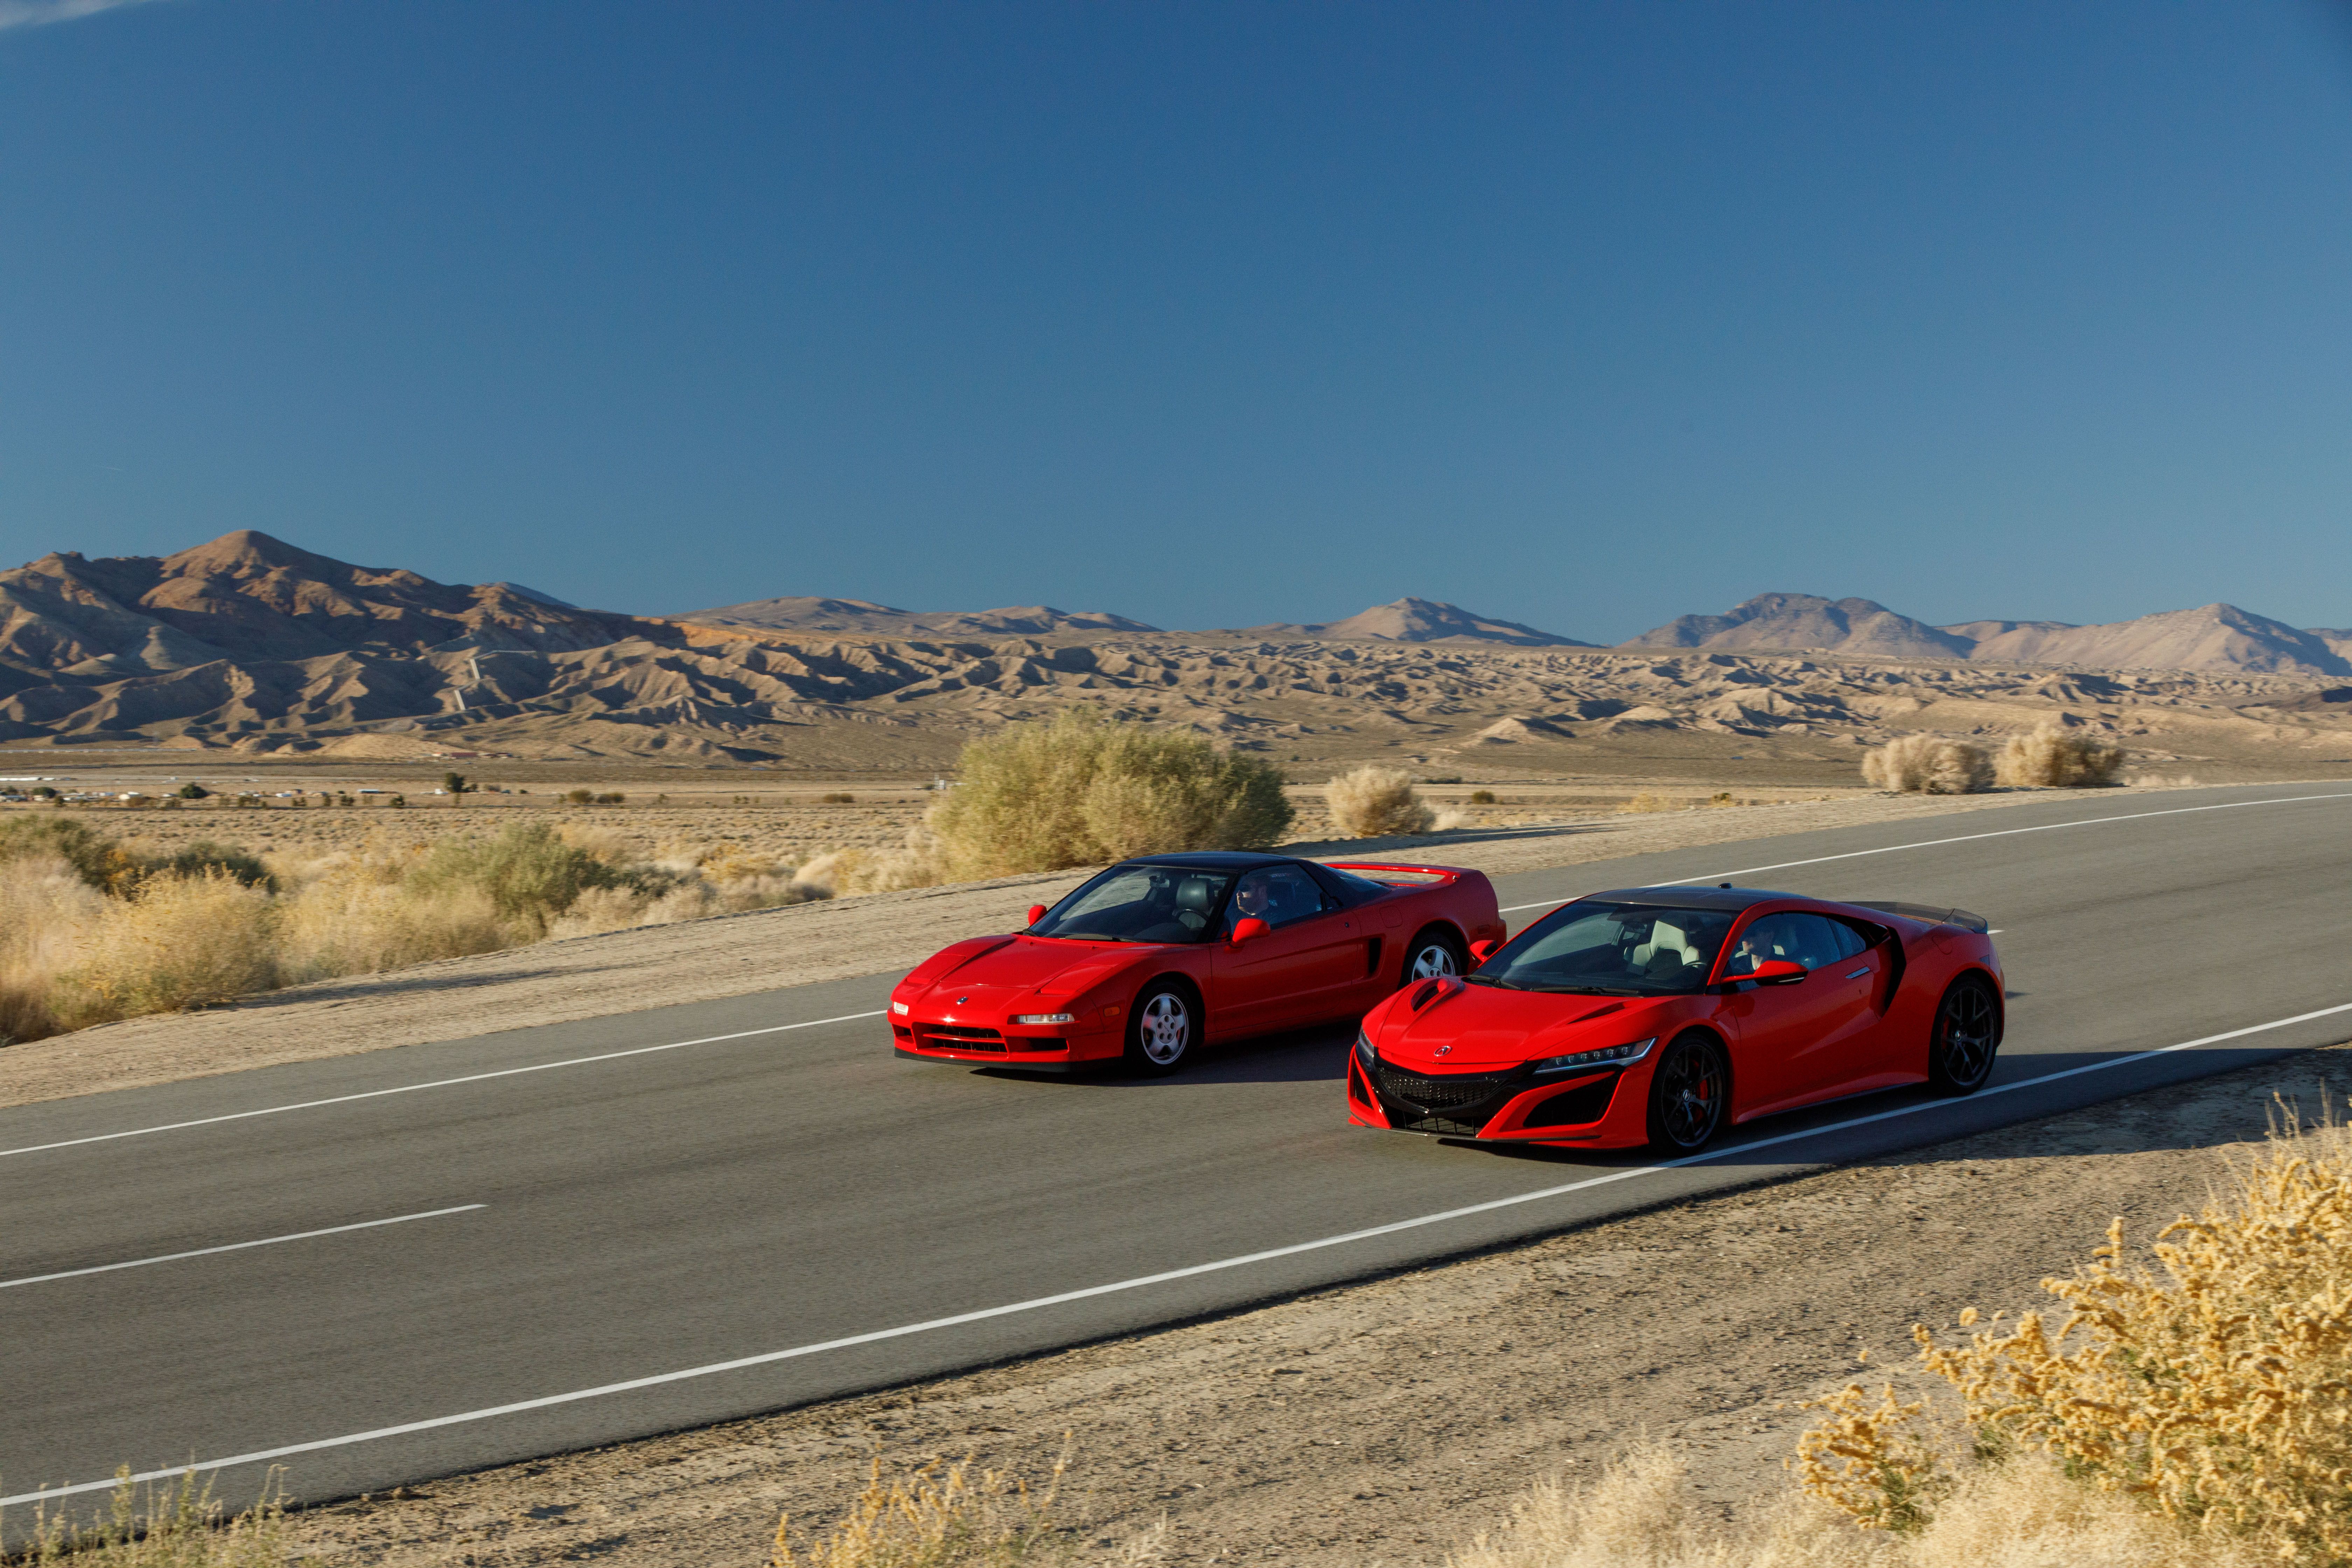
{"x": 959, "y": 1004}
{"x": 1446, "y": 1045}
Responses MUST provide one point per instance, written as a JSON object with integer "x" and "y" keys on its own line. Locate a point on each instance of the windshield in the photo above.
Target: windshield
{"x": 1138, "y": 903}
{"x": 1610, "y": 950}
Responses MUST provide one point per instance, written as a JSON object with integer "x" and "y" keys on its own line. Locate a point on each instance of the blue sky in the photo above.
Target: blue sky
{"x": 1209, "y": 314}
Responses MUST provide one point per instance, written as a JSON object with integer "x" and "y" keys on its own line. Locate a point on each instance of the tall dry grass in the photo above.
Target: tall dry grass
{"x": 1376, "y": 803}
{"x": 1928, "y": 765}
{"x": 93, "y": 930}
{"x": 2065, "y": 759}
{"x": 167, "y": 1526}
{"x": 1643, "y": 1512}
{"x": 953, "y": 1516}
{"x": 1080, "y": 789}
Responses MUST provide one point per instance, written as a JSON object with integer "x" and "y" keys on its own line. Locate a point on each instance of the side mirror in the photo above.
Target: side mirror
{"x": 1036, "y": 913}
{"x": 1249, "y": 929}
{"x": 1777, "y": 971}
{"x": 1480, "y": 951}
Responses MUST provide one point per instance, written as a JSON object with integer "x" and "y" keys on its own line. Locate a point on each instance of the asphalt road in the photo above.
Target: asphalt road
{"x": 605, "y": 1248}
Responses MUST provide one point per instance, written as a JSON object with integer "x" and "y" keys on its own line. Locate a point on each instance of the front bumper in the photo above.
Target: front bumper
{"x": 979, "y": 1045}
{"x": 1600, "y": 1109}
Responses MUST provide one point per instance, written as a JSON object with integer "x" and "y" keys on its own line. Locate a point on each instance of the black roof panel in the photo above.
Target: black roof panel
{"x": 1690, "y": 898}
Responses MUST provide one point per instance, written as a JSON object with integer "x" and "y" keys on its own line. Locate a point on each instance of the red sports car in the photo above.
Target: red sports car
{"x": 1657, "y": 1014}
{"x": 1154, "y": 956}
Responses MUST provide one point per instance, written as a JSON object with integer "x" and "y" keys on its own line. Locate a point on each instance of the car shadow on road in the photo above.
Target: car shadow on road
{"x": 1302, "y": 1055}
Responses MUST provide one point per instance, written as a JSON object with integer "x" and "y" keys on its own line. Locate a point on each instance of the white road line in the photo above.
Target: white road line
{"x": 237, "y": 1246}
{"x": 434, "y": 1083}
{"x": 1963, "y": 838}
{"x": 1037, "y": 1303}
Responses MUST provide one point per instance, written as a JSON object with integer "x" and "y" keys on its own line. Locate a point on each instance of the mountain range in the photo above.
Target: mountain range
{"x": 248, "y": 636}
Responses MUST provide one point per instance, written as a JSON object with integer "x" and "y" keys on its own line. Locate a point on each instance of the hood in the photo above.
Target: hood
{"x": 1480, "y": 1026}
{"x": 1007, "y": 965}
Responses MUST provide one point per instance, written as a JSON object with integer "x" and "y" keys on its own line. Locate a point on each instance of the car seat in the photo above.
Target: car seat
{"x": 1668, "y": 948}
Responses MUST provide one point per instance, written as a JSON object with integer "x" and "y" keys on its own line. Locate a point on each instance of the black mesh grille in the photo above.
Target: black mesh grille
{"x": 1445, "y": 1093}
{"x": 954, "y": 1038}
{"x": 1586, "y": 1102}
{"x": 1446, "y": 1125}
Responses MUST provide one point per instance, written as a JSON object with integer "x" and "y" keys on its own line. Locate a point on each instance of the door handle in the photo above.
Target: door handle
{"x": 1859, "y": 973}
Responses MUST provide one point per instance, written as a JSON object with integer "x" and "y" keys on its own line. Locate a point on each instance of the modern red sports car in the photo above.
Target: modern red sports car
{"x": 1658, "y": 1014}
{"x": 1156, "y": 955}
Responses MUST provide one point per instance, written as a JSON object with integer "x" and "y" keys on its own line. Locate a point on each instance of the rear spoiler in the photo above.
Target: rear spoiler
{"x": 1443, "y": 873}
{"x": 1931, "y": 915}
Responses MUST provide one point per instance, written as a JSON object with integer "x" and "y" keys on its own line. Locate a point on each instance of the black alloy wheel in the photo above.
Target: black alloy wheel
{"x": 1161, "y": 1029}
{"x": 1689, "y": 1094}
{"x": 1967, "y": 1034}
{"x": 1432, "y": 954}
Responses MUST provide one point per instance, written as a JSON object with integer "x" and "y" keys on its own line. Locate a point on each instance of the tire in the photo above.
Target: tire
{"x": 1690, "y": 1093}
{"x": 1161, "y": 1029}
{"x": 1963, "y": 1038}
{"x": 1432, "y": 952}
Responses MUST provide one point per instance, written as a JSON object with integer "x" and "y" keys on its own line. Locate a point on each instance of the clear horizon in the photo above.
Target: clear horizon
{"x": 1576, "y": 316}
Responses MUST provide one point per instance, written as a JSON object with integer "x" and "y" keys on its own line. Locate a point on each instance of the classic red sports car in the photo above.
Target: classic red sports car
{"x": 1658, "y": 1014}
{"x": 1154, "y": 956}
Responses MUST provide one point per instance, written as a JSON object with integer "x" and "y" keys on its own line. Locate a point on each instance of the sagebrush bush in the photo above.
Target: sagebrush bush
{"x": 1928, "y": 765}
{"x": 96, "y": 859}
{"x": 526, "y": 869}
{"x": 45, "y": 908}
{"x": 1081, "y": 789}
{"x": 2066, "y": 759}
{"x": 172, "y": 941}
{"x": 1376, "y": 803}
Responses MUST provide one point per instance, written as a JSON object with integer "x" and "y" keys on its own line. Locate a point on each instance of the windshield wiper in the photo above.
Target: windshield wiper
{"x": 1594, "y": 991}
{"x": 1493, "y": 979}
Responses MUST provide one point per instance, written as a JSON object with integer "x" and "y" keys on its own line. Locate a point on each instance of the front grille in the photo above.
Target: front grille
{"x": 1448, "y": 1093}
{"x": 955, "y": 1038}
{"x": 1450, "y": 1128}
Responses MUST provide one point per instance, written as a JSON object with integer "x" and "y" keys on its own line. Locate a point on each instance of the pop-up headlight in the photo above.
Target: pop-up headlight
{"x": 1614, "y": 1057}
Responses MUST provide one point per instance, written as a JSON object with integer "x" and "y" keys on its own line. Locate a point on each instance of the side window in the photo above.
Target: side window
{"x": 1276, "y": 895}
{"x": 1850, "y": 942}
{"x": 1773, "y": 937}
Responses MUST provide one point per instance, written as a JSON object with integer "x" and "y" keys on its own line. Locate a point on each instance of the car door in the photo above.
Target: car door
{"x": 1789, "y": 1035}
{"x": 1842, "y": 1050}
{"x": 1300, "y": 969}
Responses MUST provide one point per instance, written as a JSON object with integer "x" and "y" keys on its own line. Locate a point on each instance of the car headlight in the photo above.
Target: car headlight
{"x": 1045, "y": 1018}
{"x": 1364, "y": 1051}
{"x": 1615, "y": 1056}
{"x": 900, "y": 1008}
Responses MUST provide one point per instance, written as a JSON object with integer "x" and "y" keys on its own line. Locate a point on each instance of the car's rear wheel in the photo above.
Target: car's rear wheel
{"x": 1432, "y": 954}
{"x": 1161, "y": 1029}
{"x": 1965, "y": 1037}
{"x": 1690, "y": 1093}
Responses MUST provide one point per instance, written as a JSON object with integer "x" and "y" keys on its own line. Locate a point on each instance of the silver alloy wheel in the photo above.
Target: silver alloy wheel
{"x": 1166, "y": 1028}
{"x": 1432, "y": 960}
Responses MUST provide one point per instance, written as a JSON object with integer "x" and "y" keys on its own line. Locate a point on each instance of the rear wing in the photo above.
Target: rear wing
{"x": 1930, "y": 914}
{"x": 1381, "y": 870}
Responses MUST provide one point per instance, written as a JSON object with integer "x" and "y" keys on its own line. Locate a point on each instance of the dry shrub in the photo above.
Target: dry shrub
{"x": 1080, "y": 790}
{"x": 1928, "y": 765}
{"x": 1376, "y": 803}
{"x": 172, "y": 941}
{"x": 918, "y": 862}
{"x": 938, "y": 1516}
{"x": 1642, "y": 1513}
{"x": 98, "y": 859}
{"x": 166, "y": 1527}
{"x": 528, "y": 871}
{"x": 45, "y": 909}
{"x": 355, "y": 914}
{"x": 2214, "y": 1388}
{"x": 1646, "y": 803}
{"x": 2066, "y": 759}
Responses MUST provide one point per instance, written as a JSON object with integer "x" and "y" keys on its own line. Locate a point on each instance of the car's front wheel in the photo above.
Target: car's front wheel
{"x": 1690, "y": 1094}
{"x": 1963, "y": 1038}
{"x": 1432, "y": 954}
{"x": 1161, "y": 1029}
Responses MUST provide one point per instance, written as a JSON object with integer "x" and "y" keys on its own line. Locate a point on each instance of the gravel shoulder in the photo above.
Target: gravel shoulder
{"x": 735, "y": 955}
{"x": 1388, "y": 1422}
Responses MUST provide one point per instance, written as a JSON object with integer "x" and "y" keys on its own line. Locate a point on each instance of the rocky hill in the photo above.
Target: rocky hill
{"x": 862, "y": 617}
{"x": 1417, "y": 620}
{"x": 1854, "y": 627}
